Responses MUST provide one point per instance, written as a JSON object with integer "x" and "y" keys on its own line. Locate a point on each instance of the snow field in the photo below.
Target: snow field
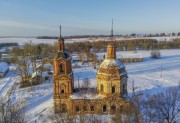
{"x": 150, "y": 77}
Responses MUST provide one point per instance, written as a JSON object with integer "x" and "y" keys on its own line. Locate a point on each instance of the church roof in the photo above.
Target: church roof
{"x": 111, "y": 64}
{"x": 111, "y": 67}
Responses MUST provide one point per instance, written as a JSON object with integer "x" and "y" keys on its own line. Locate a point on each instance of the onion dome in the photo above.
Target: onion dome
{"x": 111, "y": 66}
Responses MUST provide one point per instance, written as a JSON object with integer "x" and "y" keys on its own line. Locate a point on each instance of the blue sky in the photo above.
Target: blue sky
{"x": 78, "y": 17}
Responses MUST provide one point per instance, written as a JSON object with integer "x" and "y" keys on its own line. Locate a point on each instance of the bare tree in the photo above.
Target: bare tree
{"x": 155, "y": 54}
{"x": 86, "y": 83}
{"x": 166, "y": 105}
{"x": 85, "y": 87}
{"x": 32, "y": 51}
{"x": 22, "y": 63}
{"x": 80, "y": 55}
{"x": 11, "y": 112}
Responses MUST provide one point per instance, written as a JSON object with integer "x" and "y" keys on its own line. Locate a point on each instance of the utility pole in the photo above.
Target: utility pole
{"x": 60, "y": 31}
{"x": 78, "y": 83}
{"x": 133, "y": 88}
{"x": 161, "y": 71}
{"x": 112, "y": 29}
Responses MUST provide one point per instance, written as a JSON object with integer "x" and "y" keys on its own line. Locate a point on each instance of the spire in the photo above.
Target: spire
{"x": 60, "y": 41}
{"x": 60, "y": 30}
{"x": 112, "y": 29}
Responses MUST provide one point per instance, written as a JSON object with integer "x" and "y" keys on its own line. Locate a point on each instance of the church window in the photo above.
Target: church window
{"x": 113, "y": 89}
{"x": 77, "y": 108}
{"x": 92, "y": 108}
{"x": 62, "y": 91}
{"x": 102, "y": 88}
{"x": 61, "y": 68}
{"x": 104, "y": 108}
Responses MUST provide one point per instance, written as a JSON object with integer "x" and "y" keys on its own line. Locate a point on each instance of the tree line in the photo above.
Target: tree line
{"x": 8, "y": 44}
{"x": 142, "y": 44}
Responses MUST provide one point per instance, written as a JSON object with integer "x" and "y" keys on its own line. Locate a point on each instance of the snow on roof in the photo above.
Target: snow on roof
{"x": 3, "y": 67}
{"x": 3, "y": 49}
{"x": 44, "y": 74}
{"x": 111, "y": 64}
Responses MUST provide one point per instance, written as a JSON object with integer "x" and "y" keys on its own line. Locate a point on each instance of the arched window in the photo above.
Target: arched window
{"x": 102, "y": 88}
{"x": 92, "y": 108}
{"x": 61, "y": 68}
{"x": 62, "y": 91}
{"x": 113, "y": 89}
{"x": 77, "y": 108}
{"x": 104, "y": 108}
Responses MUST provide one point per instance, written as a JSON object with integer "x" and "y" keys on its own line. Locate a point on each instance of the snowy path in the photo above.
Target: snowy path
{"x": 8, "y": 84}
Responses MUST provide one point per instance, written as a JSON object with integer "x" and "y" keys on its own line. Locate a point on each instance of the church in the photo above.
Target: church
{"x": 111, "y": 85}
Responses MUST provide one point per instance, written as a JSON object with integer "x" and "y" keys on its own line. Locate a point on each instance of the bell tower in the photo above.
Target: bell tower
{"x": 63, "y": 76}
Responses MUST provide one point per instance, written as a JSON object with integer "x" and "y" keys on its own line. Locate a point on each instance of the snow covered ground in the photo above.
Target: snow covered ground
{"x": 22, "y": 41}
{"x": 153, "y": 75}
{"x": 149, "y": 77}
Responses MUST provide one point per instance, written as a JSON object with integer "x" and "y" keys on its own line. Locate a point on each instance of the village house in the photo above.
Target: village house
{"x": 4, "y": 68}
{"x": 132, "y": 56}
{"x": 6, "y": 57}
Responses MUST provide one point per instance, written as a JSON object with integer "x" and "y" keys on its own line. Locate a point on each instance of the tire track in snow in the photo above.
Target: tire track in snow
{"x": 37, "y": 107}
